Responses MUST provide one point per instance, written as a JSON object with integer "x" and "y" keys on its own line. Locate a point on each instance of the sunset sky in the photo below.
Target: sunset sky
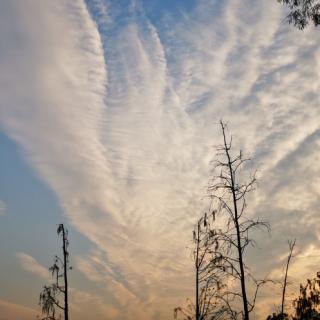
{"x": 109, "y": 112}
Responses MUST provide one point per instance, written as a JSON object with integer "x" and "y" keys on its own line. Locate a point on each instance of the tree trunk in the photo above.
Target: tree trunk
{"x": 65, "y": 274}
{"x": 236, "y": 221}
{"x": 197, "y": 274}
{"x": 291, "y": 246}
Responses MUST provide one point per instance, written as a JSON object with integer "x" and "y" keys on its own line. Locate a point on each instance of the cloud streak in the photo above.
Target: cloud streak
{"x": 3, "y": 208}
{"x": 12, "y": 311}
{"x": 31, "y": 265}
{"x": 118, "y": 115}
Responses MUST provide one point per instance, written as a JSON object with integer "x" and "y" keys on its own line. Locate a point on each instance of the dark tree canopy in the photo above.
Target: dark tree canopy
{"x": 306, "y": 305}
{"x": 302, "y": 12}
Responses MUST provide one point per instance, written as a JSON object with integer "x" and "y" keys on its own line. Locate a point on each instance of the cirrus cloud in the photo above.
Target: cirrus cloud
{"x": 117, "y": 114}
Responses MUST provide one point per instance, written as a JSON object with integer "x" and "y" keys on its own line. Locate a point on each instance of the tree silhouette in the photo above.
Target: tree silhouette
{"x": 283, "y": 315}
{"x": 228, "y": 191}
{"x": 291, "y": 247}
{"x": 307, "y": 305}
{"x": 279, "y": 316}
{"x": 220, "y": 238}
{"x": 209, "y": 283}
{"x": 49, "y": 299}
{"x": 302, "y": 12}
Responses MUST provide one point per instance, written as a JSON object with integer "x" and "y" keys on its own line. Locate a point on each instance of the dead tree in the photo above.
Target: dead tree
{"x": 291, "y": 247}
{"x": 228, "y": 191}
{"x": 49, "y": 299}
{"x": 306, "y": 305}
{"x": 209, "y": 283}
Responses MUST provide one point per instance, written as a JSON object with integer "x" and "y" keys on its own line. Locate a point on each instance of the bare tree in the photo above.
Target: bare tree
{"x": 283, "y": 315}
{"x": 209, "y": 285}
{"x": 220, "y": 238}
{"x": 49, "y": 299}
{"x": 291, "y": 247}
{"x": 228, "y": 191}
{"x": 302, "y": 12}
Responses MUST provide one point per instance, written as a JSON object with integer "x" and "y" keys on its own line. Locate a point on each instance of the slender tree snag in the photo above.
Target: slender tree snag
{"x": 197, "y": 265}
{"x": 209, "y": 287}
{"x": 65, "y": 243}
{"x": 291, "y": 247}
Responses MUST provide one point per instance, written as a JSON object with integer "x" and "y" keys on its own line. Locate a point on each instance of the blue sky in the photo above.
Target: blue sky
{"x": 108, "y": 115}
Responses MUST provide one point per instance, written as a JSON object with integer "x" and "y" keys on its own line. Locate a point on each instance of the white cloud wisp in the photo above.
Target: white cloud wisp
{"x": 119, "y": 117}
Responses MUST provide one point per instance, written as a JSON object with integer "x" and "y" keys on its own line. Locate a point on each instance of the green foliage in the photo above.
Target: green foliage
{"x": 302, "y": 12}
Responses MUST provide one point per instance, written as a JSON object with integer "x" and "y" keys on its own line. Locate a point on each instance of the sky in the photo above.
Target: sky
{"x": 109, "y": 114}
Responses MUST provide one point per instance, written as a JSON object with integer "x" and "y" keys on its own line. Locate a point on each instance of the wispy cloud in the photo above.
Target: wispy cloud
{"x": 96, "y": 302}
{"x": 119, "y": 117}
{"x": 31, "y": 265}
{"x": 11, "y": 310}
{"x": 3, "y": 208}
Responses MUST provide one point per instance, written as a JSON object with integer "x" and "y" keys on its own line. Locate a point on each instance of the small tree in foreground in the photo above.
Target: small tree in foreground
{"x": 283, "y": 315}
{"x": 49, "y": 299}
{"x": 307, "y": 305}
{"x": 228, "y": 190}
{"x": 302, "y": 12}
{"x": 285, "y": 281}
{"x": 209, "y": 284}
{"x": 221, "y": 238}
